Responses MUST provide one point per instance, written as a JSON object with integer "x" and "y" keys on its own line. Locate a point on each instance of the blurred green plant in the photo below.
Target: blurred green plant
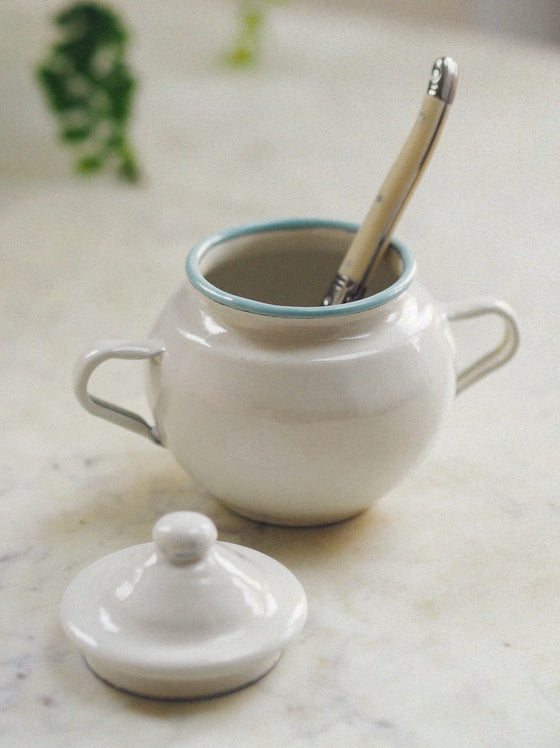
{"x": 90, "y": 88}
{"x": 247, "y": 46}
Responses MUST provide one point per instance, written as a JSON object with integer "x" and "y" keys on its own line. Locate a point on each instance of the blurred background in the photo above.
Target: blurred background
{"x": 26, "y": 29}
{"x": 534, "y": 19}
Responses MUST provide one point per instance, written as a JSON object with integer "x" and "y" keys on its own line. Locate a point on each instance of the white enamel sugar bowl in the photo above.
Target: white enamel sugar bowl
{"x": 288, "y": 411}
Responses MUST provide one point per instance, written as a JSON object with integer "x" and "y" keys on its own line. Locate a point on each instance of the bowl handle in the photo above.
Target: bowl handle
{"x": 96, "y": 355}
{"x": 497, "y": 356}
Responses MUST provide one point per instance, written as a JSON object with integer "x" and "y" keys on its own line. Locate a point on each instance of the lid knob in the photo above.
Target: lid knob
{"x": 184, "y": 537}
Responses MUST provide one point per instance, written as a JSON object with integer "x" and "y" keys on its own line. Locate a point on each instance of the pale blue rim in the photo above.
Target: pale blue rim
{"x": 293, "y": 312}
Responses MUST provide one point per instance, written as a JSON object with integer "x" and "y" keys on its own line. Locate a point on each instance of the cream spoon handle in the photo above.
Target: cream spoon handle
{"x": 374, "y": 235}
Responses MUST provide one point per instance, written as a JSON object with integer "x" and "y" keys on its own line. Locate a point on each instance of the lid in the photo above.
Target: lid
{"x": 183, "y": 616}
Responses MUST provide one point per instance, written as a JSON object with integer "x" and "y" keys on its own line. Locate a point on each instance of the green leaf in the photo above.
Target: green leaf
{"x": 89, "y": 87}
{"x": 73, "y": 134}
{"x": 246, "y": 49}
{"x": 89, "y": 164}
{"x": 55, "y": 86}
{"x": 128, "y": 168}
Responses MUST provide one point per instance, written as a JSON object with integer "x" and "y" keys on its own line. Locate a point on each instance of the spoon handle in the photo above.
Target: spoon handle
{"x": 374, "y": 235}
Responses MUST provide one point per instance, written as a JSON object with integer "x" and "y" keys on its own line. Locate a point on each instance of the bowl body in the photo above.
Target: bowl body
{"x": 295, "y": 414}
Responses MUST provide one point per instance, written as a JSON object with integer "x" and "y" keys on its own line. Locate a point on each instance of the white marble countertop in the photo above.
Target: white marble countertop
{"x": 434, "y": 617}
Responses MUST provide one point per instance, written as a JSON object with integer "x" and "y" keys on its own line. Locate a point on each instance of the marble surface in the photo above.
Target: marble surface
{"x": 435, "y": 617}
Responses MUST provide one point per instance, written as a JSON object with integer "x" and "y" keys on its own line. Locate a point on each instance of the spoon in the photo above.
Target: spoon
{"x": 374, "y": 235}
